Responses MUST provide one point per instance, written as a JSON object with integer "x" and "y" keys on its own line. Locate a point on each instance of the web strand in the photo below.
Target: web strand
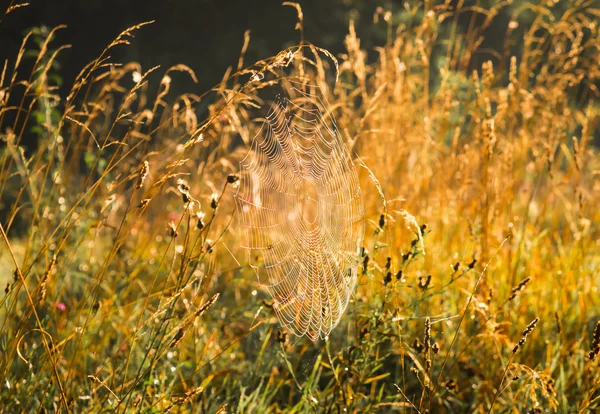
{"x": 300, "y": 210}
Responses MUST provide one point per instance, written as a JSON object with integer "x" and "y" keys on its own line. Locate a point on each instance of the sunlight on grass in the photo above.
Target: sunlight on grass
{"x": 127, "y": 288}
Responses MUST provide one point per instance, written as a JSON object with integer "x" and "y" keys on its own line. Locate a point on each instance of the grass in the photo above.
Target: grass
{"x": 121, "y": 298}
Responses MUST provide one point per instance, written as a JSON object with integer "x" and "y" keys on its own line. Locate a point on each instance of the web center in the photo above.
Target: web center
{"x": 309, "y": 204}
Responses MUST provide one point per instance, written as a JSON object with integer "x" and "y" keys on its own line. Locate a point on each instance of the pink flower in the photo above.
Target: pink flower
{"x": 61, "y": 306}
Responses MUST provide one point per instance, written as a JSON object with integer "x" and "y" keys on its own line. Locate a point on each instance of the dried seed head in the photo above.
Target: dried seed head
{"x": 424, "y": 282}
{"x": 200, "y": 223}
{"x": 188, "y": 321}
{"x": 173, "y": 229}
{"x": 515, "y": 291}
{"x": 44, "y": 281}
{"x": 284, "y": 58}
{"x": 427, "y": 336}
{"x": 143, "y": 174}
{"x": 185, "y": 398}
{"x": 281, "y": 337}
{"x": 595, "y": 348}
{"x": 43, "y": 290}
{"x": 382, "y": 221}
{"x": 257, "y": 76}
{"x": 524, "y": 334}
{"x": 365, "y": 263}
{"x": 178, "y": 336}
{"x": 184, "y": 189}
{"x": 182, "y": 186}
{"x": 450, "y": 385}
{"x": 530, "y": 327}
{"x": 97, "y": 305}
{"x": 558, "y": 323}
{"x": 418, "y": 346}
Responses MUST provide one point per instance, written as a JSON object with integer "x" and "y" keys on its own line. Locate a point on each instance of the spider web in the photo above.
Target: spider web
{"x": 301, "y": 212}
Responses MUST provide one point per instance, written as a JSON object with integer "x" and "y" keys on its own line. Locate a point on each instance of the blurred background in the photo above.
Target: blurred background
{"x": 207, "y": 35}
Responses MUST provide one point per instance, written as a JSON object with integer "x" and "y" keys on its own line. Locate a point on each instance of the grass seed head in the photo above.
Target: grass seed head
{"x": 144, "y": 170}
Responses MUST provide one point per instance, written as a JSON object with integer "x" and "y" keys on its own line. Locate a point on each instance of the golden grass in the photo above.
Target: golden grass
{"x": 126, "y": 288}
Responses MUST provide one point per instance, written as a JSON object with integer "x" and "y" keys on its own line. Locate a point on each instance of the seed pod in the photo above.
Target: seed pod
{"x": 382, "y": 221}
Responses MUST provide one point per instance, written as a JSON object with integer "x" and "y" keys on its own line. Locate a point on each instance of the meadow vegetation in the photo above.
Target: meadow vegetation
{"x": 126, "y": 289}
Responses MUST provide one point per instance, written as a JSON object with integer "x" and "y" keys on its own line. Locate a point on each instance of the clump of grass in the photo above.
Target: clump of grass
{"x": 117, "y": 235}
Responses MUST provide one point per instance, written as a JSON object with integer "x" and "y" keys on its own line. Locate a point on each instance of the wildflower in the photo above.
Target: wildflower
{"x": 61, "y": 306}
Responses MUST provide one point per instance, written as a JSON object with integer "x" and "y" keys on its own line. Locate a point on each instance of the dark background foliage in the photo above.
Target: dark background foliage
{"x": 206, "y": 35}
